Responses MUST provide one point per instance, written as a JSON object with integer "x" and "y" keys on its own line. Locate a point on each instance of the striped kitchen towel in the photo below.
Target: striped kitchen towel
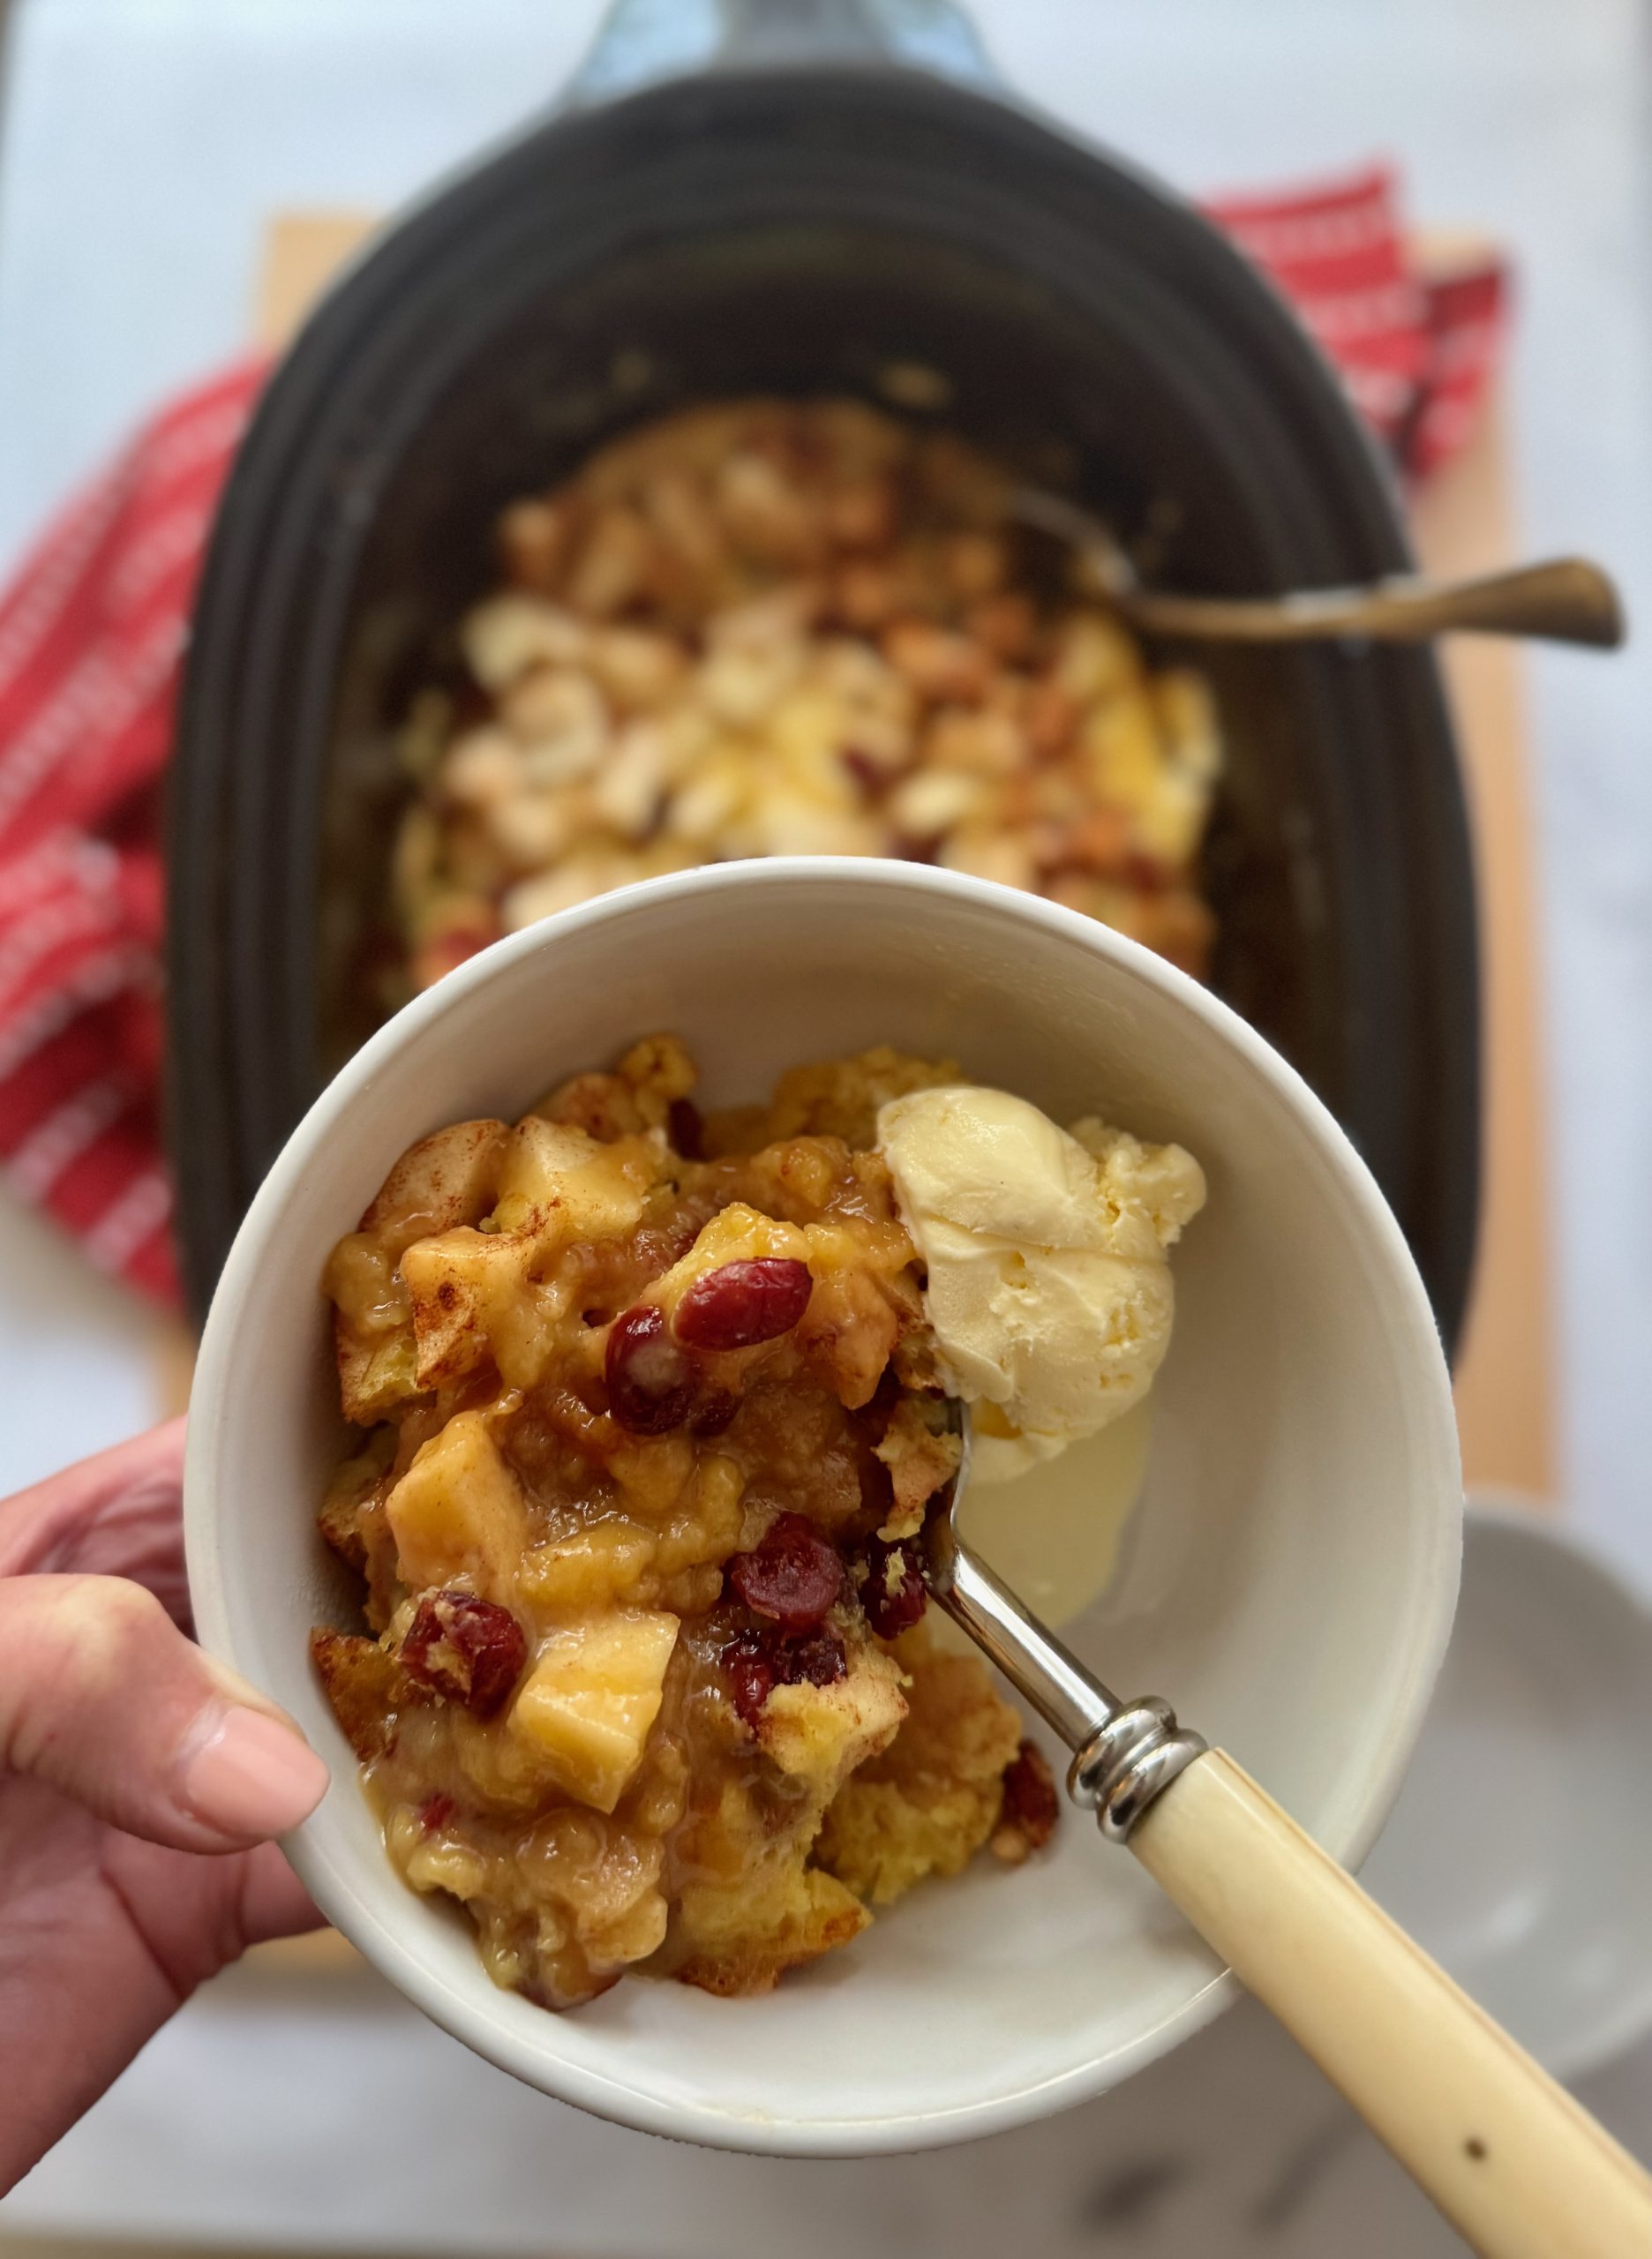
{"x": 92, "y": 637}
{"x": 1415, "y": 344}
{"x": 92, "y": 634}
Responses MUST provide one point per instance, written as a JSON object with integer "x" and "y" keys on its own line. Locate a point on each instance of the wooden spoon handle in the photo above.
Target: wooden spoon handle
{"x": 1515, "y": 2163}
{"x": 1566, "y": 600}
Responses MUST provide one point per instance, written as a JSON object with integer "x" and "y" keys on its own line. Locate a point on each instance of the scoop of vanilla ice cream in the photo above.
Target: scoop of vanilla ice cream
{"x": 1050, "y": 1290}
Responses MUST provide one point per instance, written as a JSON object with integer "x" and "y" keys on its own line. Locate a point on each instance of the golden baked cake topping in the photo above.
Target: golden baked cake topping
{"x": 651, "y": 1417}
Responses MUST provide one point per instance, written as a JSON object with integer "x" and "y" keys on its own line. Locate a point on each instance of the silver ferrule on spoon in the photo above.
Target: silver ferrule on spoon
{"x": 1124, "y": 1753}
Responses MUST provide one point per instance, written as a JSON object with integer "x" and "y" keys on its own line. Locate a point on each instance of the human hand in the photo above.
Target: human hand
{"x": 140, "y": 1782}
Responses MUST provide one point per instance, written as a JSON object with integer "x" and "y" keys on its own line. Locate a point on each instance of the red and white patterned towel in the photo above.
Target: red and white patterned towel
{"x": 92, "y": 635}
{"x": 1416, "y": 349}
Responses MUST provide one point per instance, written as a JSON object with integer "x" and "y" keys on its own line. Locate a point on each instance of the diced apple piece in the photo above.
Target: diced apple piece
{"x": 460, "y": 1512}
{"x": 591, "y": 1697}
{"x": 464, "y": 1286}
{"x": 471, "y": 1291}
{"x": 446, "y": 1179}
{"x": 377, "y": 1375}
{"x": 557, "y": 1179}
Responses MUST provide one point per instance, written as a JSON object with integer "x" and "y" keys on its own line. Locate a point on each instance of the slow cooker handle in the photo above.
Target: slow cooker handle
{"x": 639, "y": 42}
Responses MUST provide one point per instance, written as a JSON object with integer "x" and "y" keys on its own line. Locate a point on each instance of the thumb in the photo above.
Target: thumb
{"x": 102, "y": 1697}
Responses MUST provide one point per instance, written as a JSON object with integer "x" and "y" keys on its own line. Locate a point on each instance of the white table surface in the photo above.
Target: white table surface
{"x": 143, "y": 144}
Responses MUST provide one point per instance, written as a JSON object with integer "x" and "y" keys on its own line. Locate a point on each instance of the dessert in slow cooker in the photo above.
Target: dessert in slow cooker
{"x": 654, "y": 1410}
{"x": 770, "y": 626}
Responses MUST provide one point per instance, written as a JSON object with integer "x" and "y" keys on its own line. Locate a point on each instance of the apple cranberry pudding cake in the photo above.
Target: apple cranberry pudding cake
{"x": 652, "y": 1416}
{"x": 774, "y": 628}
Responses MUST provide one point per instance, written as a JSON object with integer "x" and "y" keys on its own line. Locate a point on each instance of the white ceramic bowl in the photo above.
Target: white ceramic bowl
{"x": 1290, "y": 1585}
{"x": 1518, "y": 1851}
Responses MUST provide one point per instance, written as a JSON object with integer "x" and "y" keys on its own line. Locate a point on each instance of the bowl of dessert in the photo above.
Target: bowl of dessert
{"x": 567, "y": 1418}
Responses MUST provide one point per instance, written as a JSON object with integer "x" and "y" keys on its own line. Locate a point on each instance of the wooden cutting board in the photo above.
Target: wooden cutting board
{"x": 1464, "y": 521}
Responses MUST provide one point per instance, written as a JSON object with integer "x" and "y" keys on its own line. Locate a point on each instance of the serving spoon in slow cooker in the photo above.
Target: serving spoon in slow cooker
{"x": 1515, "y": 2164}
{"x": 1563, "y": 600}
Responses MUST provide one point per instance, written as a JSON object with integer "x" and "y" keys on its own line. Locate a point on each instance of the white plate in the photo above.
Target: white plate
{"x": 1520, "y": 1852}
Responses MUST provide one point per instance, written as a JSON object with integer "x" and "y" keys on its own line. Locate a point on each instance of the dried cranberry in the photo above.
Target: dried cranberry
{"x": 1030, "y": 1801}
{"x": 820, "y": 1657}
{"x": 869, "y": 773}
{"x": 793, "y": 1576}
{"x": 469, "y": 1650}
{"x": 445, "y": 950}
{"x": 651, "y": 1383}
{"x": 687, "y": 1128}
{"x": 892, "y": 1591}
{"x": 758, "y": 1662}
{"x": 1146, "y": 873}
{"x": 714, "y": 1412}
{"x": 435, "y": 1812}
{"x": 744, "y": 1303}
{"x": 751, "y": 1674}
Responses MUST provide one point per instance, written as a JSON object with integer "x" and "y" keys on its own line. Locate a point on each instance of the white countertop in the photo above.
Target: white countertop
{"x": 143, "y": 143}
{"x": 347, "y": 2122}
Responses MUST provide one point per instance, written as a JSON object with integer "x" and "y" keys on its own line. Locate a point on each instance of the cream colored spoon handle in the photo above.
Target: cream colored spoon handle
{"x": 1515, "y": 2164}
{"x": 1567, "y": 600}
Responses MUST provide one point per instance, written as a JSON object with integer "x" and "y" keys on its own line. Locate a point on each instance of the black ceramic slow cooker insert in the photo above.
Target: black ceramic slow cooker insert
{"x": 780, "y": 224}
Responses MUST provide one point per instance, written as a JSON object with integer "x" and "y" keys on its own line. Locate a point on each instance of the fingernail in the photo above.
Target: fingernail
{"x": 231, "y": 1684}
{"x": 253, "y": 1776}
